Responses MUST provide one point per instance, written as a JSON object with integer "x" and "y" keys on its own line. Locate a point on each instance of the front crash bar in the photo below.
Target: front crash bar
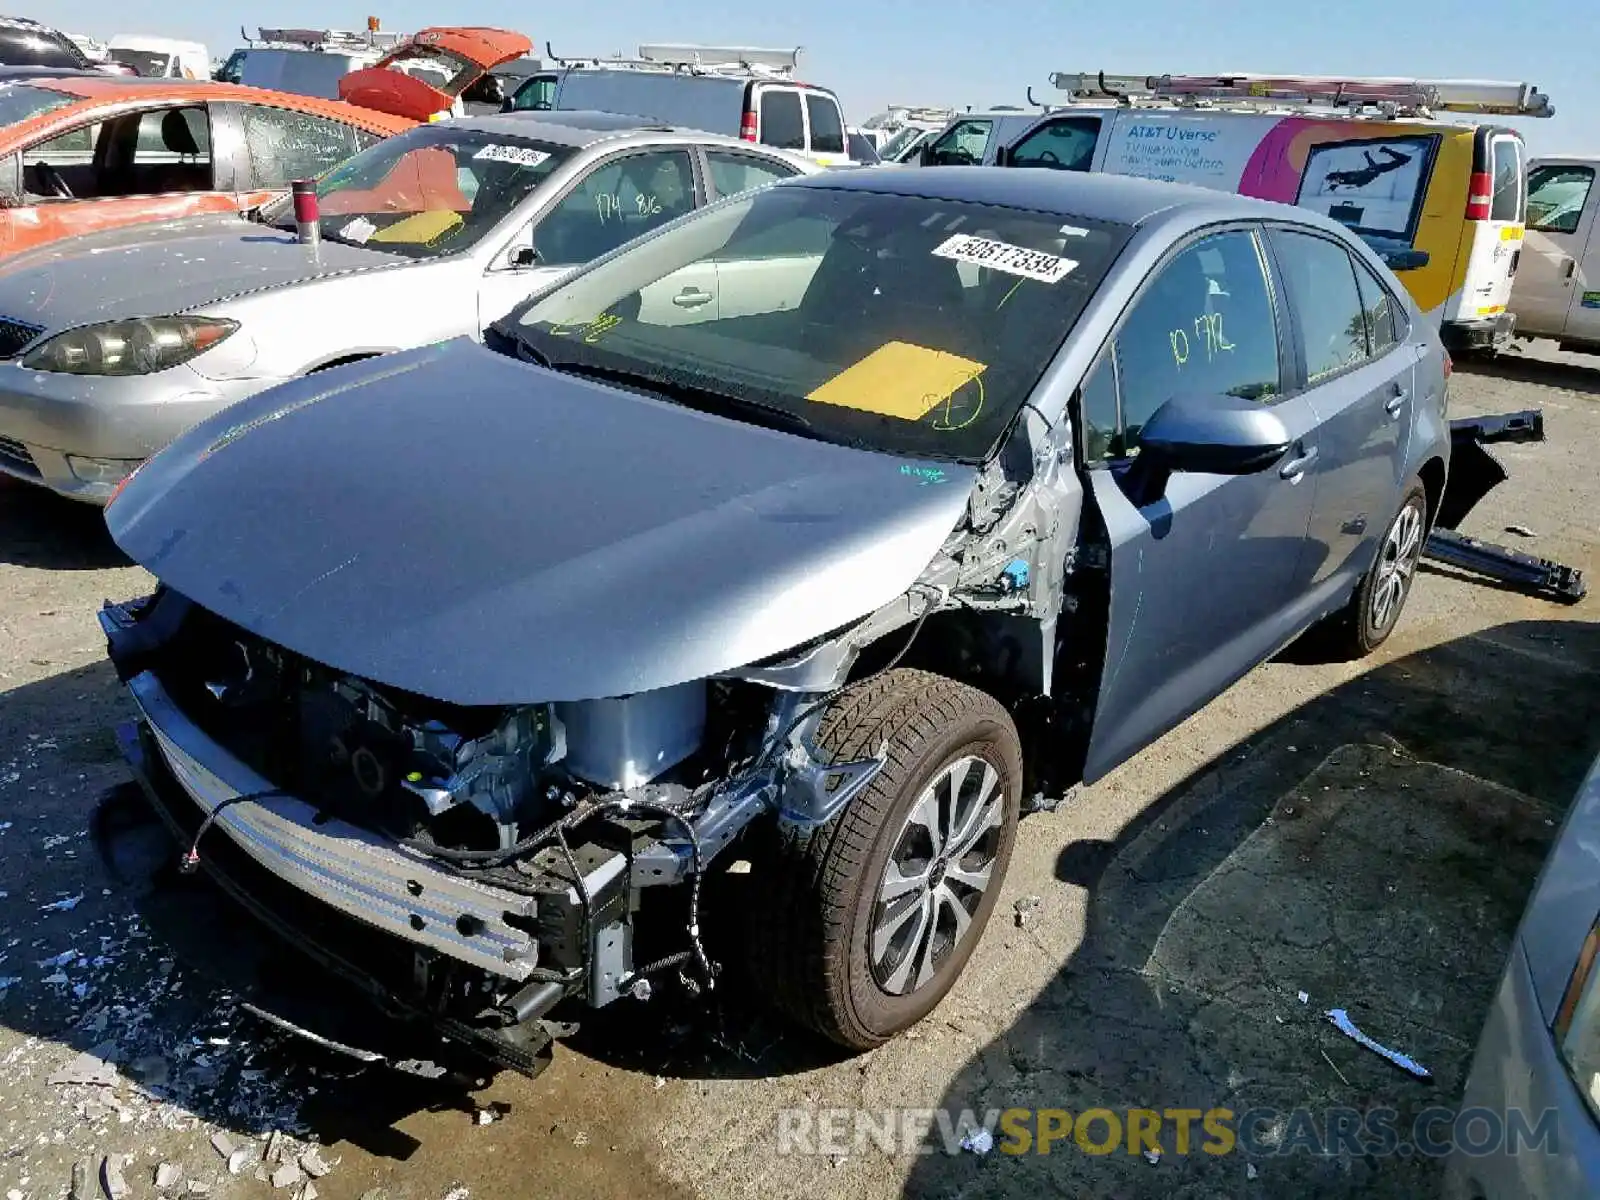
{"x": 1537, "y": 575}
{"x": 339, "y": 864}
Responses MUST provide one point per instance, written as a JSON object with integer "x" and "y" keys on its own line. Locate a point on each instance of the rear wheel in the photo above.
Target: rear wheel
{"x": 869, "y": 919}
{"x": 1370, "y": 617}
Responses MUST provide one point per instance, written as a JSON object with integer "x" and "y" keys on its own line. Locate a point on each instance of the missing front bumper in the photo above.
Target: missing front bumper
{"x": 341, "y": 865}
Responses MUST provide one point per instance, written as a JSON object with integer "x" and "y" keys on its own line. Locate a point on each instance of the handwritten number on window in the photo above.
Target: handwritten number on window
{"x": 1207, "y": 331}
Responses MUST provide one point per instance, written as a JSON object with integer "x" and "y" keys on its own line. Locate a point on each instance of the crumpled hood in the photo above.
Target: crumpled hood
{"x": 456, "y": 523}
{"x": 156, "y": 270}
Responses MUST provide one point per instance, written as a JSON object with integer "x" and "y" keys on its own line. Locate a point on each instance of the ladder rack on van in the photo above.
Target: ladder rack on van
{"x": 1392, "y": 97}
{"x": 697, "y": 60}
{"x": 901, "y": 114}
{"x": 325, "y": 39}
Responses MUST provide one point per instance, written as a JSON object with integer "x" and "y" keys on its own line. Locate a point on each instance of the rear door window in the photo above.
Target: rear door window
{"x": 1507, "y": 168}
{"x": 283, "y": 146}
{"x": 1321, "y": 282}
{"x": 732, "y": 172}
{"x": 1384, "y": 324}
{"x": 782, "y": 122}
{"x": 827, "y": 129}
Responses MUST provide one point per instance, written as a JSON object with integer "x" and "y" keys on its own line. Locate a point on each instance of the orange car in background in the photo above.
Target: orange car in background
{"x": 83, "y": 153}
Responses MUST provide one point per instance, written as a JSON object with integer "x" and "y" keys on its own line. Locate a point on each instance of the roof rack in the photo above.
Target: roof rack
{"x": 697, "y": 60}
{"x": 896, "y": 115}
{"x": 1390, "y": 96}
{"x": 325, "y": 39}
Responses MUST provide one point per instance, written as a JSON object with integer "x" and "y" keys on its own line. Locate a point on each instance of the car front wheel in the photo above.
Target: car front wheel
{"x": 870, "y": 918}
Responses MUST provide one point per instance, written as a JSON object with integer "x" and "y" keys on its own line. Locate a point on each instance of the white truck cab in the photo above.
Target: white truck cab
{"x": 1556, "y": 293}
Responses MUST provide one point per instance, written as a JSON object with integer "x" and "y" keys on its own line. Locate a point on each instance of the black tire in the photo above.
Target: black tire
{"x": 1355, "y": 631}
{"x": 820, "y": 886}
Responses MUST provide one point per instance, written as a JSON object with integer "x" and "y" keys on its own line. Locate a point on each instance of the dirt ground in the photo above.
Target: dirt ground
{"x": 1364, "y": 834}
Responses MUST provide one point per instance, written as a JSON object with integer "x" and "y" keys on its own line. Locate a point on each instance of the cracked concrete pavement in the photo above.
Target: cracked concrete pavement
{"x": 1365, "y": 833}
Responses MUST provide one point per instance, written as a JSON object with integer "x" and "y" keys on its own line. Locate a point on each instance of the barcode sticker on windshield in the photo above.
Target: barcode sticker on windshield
{"x": 1003, "y": 256}
{"x": 525, "y": 156}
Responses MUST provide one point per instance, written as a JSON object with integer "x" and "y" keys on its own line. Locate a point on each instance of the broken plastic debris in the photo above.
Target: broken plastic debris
{"x": 167, "y": 1176}
{"x": 314, "y": 1165}
{"x": 1521, "y": 531}
{"x": 1026, "y": 908}
{"x": 459, "y": 1193}
{"x": 1303, "y": 997}
{"x": 88, "y": 1068}
{"x": 66, "y": 904}
{"x": 57, "y": 960}
{"x": 222, "y": 1143}
{"x": 14, "y": 1194}
{"x": 1250, "y": 1171}
{"x": 1342, "y": 1022}
{"x": 308, "y": 1192}
{"x": 485, "y": 1116}
{"x": 979, "y": 1141}
{"x": 287, "y": 1175}
{"x": 1153, "y": 1155}
{"x": 240, "y": 1159}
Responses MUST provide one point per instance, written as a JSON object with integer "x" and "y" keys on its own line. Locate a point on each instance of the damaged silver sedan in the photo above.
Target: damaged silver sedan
{"x": 928, "y": 493}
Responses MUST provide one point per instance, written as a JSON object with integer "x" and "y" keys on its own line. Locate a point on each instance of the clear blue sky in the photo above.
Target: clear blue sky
{"x": 960, "y": 52}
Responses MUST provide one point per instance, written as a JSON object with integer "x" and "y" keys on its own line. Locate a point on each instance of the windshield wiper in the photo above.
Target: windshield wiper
{"x": 691, "y": 395}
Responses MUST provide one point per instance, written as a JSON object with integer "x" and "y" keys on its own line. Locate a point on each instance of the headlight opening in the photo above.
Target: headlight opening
{"x": 137, "y": 347}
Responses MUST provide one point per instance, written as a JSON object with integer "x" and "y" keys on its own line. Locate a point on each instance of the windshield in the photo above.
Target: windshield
{"x": 902, "y": 142}
{"x": 538, "y": 94}
{"x": 149, "y": 63}
{"x": 433, "y": 191}
{"x": 19, "y": 102}
{"x": 904, "y": 324}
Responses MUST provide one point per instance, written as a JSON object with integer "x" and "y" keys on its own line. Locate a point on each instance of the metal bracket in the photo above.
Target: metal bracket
{"x": 813, "y": 792}
{"x": 1539, "y": 576}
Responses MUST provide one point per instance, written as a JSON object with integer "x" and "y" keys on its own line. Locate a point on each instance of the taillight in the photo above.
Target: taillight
{"x": 1480, "y": 196}
{"x": 747, "y": 126}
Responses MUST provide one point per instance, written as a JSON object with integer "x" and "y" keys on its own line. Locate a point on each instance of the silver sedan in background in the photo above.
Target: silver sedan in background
{"x": 113, "y": 344}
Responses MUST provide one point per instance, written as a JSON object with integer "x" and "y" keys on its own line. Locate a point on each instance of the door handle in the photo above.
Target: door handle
{"x": 1572, "y": 265}
{"x": 1294, "y": 470}
{"x": 1396, "y": 402}
{"x": 692, "y": 297}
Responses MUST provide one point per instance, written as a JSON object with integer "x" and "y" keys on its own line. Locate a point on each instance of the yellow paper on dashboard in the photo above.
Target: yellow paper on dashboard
{"x": 900, "y": 380}
{"x": 419, "y": 229}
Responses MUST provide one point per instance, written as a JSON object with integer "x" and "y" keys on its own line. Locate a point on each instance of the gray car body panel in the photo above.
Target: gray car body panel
{"x": 599, "y": 543}
{"x": 1517, "y": 1063}
{"x": 792, "y": 544}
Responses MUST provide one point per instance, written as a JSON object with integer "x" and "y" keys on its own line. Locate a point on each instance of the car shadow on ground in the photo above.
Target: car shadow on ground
{"x": 1515, "y": 368}
{"x": 1373, "y": 849}
{"x": 40, "y": 529}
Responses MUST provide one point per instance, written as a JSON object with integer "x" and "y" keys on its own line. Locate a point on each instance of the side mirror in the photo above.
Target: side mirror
{"x": 1405, "y": 260}
{"x": 524, "y": 256}
{"x": 925, "y": 155}
{"x": 1213, "y": 435}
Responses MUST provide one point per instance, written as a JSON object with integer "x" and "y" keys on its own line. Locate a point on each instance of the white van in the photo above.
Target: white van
{"x": 1441, "y": 200}
{"x": 1556, "y": 293}
{"x": 160, "y": 57}
{"x": 741, "y": 91}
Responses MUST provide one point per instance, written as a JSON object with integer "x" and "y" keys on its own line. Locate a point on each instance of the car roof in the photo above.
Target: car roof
{"x": 576, "y": 129}
{"x": 1123, "y": 199}
{"x": 110, "y": 89}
